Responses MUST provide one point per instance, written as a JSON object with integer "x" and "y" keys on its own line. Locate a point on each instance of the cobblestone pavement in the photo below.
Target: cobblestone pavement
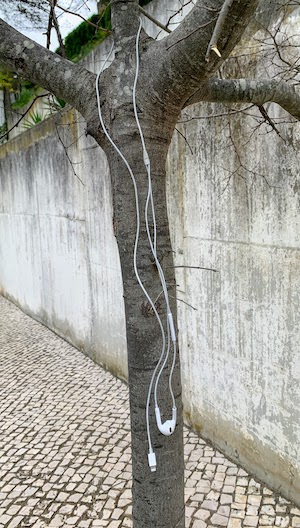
{"x": 64, "y": 445}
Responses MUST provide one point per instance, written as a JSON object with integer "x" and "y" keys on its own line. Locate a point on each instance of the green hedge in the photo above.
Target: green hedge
{"x": 85, "y": 37}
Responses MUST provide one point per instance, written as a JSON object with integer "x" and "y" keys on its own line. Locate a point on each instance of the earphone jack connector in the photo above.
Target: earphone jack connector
{"x": 152, "y": 461}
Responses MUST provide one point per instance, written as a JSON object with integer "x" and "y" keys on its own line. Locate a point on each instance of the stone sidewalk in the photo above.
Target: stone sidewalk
{"x": 64, "y": 445}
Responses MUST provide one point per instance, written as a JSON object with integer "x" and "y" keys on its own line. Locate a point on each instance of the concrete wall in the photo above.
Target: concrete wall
{"x": 2, "y": 113}
{"x": 239, "y": 332}
{"x": 240, "y": 347}
{"x": 58, "y": 256}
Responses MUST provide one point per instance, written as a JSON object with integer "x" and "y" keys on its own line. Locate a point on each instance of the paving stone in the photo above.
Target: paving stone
{"x": 283, "y": 521}
{"x": 15, "y": 522}
{"x": 224, "y": 510}
{"x": 265, "y": 520}
{"x": 234, "y": 523}
{"x": 219, "y": 520}
{"x": 64, "y": 446}
{"x": 210, "y": 505}
{"x": 251, "y": 520}
{"x": 199, "y": 524}
{"x": 202, "y": 514}
{"x": 225, "y": 499}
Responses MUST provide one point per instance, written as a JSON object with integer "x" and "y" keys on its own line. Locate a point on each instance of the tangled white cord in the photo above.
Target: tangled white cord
{"x": 170, "y": 324}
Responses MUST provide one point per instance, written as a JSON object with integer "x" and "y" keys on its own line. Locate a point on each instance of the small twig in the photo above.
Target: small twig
{"x": 57, "y": 29}
{"x": 67, "y": 155}
{"x": 185, "y": 139}
{"x": 154, "y": 20}
{"x": 268, "y": 120}
{"x": 50, "y": 25}
{"x": 181, "y": 300}
{"x": 212, "y": 46}
{"x": 84, "y": 19}
{"x": 194, "y": 267}
{"x": 23, "y": 115}
{"x": 222, "y": 114}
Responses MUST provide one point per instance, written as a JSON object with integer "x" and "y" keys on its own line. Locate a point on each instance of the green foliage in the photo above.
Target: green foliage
{"x": 85, "y": 37}
{"x": 3, "y": 128}
{"x": 24, "y": 97}
{"x": 34, "y": 119}
{"x": 23, "y": 90}
{"x": 54, "y": 104}
{"x": 7, "y": 79}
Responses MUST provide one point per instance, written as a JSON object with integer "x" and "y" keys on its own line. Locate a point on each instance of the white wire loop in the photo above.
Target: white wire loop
{"x": 153, "y": 242}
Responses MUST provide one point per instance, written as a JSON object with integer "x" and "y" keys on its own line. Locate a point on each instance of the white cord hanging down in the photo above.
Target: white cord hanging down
{"x": 151, "y": 456}
{"x": 170, "y": 323}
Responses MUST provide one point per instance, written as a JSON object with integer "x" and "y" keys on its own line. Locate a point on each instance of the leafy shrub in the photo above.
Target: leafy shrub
{"x": 34, "y": 119}
{"x": 85, "y": 37}
{"x": 23, "y": 98}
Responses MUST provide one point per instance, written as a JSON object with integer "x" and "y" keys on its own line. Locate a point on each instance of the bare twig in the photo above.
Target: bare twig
{"x": 214, "y": 116}
{"x": 50, "y": 25}
{"x": 23, "y": 115}
{"x": 194, "y": 267}
{"x": 67, "y": 155}
{"x": 181, "y": 300}
{"x": 84, "y": 19}
{"x": 57, "y": 29}
{"x": 154, "y": 20}
{"x": 212, "y": 46}
{"x": 185, "y": 139}
{"x": 267, "y": 118}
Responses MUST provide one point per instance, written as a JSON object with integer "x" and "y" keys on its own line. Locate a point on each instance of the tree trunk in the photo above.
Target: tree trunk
{"x": 158, "y": 497}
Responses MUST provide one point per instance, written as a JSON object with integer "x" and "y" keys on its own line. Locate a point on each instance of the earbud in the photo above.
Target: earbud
{"x": 167, "y": 428}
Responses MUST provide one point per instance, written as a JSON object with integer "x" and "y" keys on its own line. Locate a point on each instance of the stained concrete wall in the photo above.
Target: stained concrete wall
{"x": 2, "y": 113}
{"x": 58, "y": 256}
{"x": 239, "y": 332}
{"x": 240, "y": 347}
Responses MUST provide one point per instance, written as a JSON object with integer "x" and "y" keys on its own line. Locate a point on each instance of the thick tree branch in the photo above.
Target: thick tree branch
{"x": 125, "y": 22}
{"x": 213, "y": 44}
{"x": 66, "y": 80}
{"x": 182, "y": 65}
{"x": 257, "y": 92}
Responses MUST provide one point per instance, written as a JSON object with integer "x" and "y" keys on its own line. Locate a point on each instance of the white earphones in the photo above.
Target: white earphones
{"x": 167, "y": 428}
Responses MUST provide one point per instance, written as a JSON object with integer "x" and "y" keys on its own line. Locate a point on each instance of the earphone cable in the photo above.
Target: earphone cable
{"x": 153, "y": 243}
{"x": 136, "y": 241}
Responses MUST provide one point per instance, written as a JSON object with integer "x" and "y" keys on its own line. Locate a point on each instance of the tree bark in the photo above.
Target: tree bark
{"x": 253, "y": 91}
{"x": 158, "y": 498}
